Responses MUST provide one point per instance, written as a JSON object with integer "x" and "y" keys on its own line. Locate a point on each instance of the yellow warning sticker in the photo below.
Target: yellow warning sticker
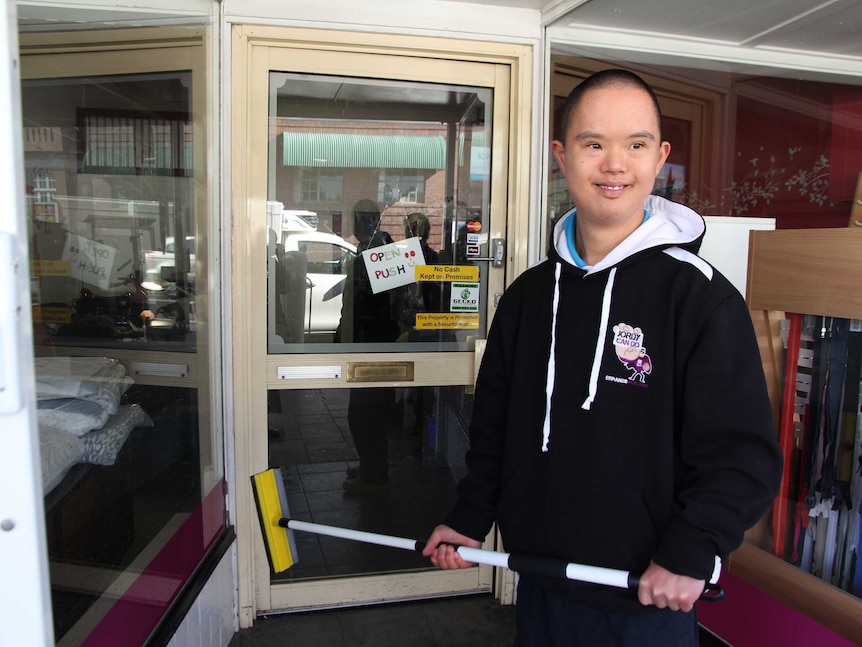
{"x": 447, "y": 273}
{"x": 51, "y": 268}
{"x": 446, "y": 321}
{"x": 55, "y": 315}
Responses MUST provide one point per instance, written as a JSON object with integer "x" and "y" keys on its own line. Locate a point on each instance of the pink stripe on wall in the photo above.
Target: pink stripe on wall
{"x": 137, "y": 613}
{"x": 747, "y": 617}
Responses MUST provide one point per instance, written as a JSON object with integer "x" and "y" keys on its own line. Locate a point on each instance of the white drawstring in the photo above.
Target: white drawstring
{"x": 549, "y": 381}
{"x": 597, "y": 358}
{"x": 600, "y": 342}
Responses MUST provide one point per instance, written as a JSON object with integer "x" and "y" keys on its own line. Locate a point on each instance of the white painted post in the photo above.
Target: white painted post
{"x": 25, "y": 601}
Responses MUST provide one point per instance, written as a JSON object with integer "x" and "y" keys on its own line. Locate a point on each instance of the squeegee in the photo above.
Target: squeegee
{"x": 277, "y": 528}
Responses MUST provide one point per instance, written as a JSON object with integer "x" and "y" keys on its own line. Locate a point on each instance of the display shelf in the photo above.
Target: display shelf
{"x": 792, "y": 273}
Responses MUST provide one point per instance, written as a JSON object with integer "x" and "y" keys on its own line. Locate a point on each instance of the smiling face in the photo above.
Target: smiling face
{"x": 611, "y": 156}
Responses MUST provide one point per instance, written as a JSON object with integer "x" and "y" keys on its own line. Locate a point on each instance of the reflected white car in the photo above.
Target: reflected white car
{"x": 326, "y": 272}
{"x": 327, "y": 259}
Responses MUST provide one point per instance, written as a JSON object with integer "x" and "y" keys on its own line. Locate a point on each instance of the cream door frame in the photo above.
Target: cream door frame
{"x": 506, "y": 67}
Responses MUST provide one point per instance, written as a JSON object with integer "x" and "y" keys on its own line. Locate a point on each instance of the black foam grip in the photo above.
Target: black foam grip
{"x": 538, "y": 566}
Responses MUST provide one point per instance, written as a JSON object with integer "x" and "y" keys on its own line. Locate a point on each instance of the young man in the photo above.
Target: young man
{"x": 621, "y": 416}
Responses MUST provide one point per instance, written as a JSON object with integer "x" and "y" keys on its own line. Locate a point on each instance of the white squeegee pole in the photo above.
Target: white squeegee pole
{"x": 520, "y": 563}
{"x": 594, "y": 574}
{"x": 354, "y": 535}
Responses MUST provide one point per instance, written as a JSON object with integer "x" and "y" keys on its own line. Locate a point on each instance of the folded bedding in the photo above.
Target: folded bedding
{"x": 81, "y": 418}
{"x": 71, "y": 415}
{"x": 60, "y": 451}
{"x": 100, "y": 380}
{"x": 102, "y": 446}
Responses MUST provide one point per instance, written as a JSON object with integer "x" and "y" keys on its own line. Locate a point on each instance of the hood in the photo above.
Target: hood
{"x": 671, "y": 227}
{"x": 670, "y": 224}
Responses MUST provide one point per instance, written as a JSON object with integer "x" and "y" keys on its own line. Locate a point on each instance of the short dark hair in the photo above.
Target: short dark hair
{"x": 603, "y": 79}
{"x": 417, "y": 224}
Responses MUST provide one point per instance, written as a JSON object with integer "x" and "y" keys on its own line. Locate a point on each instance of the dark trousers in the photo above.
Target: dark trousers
{"x": 370, "y": 414}
{"x": 546, "y": 619}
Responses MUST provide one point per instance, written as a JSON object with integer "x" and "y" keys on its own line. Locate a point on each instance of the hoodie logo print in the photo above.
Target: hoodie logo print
{"x": 631, "y": 351}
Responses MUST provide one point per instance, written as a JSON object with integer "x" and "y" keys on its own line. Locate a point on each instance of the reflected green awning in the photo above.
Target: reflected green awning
{"x": 338, "y": 150}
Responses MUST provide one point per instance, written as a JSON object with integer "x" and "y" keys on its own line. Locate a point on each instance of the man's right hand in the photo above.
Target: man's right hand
{"x": 441, "y": 548}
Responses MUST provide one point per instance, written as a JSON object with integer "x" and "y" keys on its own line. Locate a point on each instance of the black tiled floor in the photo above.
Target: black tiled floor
{"x": 473, "y": 621}
{"x": 470, "y": 621}
{"x": 311, "y": 441}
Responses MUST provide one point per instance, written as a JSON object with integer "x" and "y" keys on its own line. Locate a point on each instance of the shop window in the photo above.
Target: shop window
{"x": 790, "y": 152}
{"x": 118, "y": 220}
{"x": 790, "y": 160}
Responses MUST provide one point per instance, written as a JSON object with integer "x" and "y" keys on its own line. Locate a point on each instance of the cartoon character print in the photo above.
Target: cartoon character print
{"x": 630, "y": 349}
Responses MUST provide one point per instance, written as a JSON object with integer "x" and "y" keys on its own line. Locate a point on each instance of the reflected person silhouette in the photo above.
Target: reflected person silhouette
{"x": 368, "y": 318}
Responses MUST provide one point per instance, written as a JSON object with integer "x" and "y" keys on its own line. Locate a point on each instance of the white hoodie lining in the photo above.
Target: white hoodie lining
{"x": 552, "y": 368}
{"x": 600, "y": 342}
{"x": 669, "y": 224}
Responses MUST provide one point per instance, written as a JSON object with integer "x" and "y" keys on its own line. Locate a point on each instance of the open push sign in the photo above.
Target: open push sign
{"x": 393, "y": 265}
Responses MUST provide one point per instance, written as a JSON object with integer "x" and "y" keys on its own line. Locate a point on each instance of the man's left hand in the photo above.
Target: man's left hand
{"x": 660, "y": 587}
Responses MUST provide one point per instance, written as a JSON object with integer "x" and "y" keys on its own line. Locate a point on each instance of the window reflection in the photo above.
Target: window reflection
{"x": 790, "y": 151}
{"x": 402, "y": 151}
{"x": 377, "y": 459}
{"x": 130, "y": 468}
{"x": 112, "y": 206}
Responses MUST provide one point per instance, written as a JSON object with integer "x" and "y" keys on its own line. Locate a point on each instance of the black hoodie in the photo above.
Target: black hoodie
{"x": 621, "y": 412}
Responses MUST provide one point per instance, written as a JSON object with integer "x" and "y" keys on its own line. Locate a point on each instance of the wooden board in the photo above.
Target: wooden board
{"x": 807, "y": 271}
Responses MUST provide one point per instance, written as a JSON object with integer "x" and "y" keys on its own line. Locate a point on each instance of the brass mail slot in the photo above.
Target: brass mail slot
{"x": 380, "y": 371}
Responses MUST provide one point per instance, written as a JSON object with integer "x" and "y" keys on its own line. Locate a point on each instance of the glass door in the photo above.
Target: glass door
{"x": 376, "y": 211}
